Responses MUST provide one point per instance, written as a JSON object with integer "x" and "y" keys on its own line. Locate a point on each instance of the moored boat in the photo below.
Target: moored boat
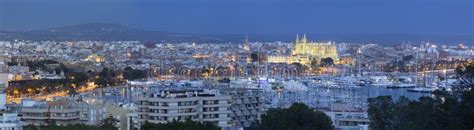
{"x": 423, "y": 89}
{"x": 402, "y": 85}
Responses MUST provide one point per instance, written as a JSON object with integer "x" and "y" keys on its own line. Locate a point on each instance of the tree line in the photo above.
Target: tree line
{"x": 446, "y": 111}
{"x": 108, "y": 123}
{"x": 73, "y": 77}
{"x": 297, "y": 117}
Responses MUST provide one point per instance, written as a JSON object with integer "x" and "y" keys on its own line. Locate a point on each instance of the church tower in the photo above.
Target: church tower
{"x": 297, "y": 39}
{"x": 304, "y": 40}
{"x": 247, "y": 49}
{"x": 246, "y": 44}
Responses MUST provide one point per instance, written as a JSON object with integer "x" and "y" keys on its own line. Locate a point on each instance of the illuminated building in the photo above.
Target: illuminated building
{"x": 200, "y": 56}
{"x": 247, "y": 50}
{"x": 304, "y": 52}
{"x": 94, "y": 58}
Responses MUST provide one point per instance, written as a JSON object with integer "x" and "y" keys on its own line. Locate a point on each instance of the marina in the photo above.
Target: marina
{"x": 321, "y": 93}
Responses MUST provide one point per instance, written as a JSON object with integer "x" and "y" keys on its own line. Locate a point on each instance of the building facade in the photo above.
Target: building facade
{"x": 180, "y": 104}
{"x": 61, "y": 112}
{"x": 305, "y": 52}
{"x": 10, "y": 121}
{"x": 247, "y": 105}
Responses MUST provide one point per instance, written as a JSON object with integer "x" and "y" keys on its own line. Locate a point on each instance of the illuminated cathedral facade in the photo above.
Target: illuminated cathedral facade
{"x": 304, "y": 52}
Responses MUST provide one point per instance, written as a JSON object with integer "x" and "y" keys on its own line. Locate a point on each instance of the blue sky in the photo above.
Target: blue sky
{"x": 440, "y": 17}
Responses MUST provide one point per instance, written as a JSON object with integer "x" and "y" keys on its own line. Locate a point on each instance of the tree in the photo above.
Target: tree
{"x": 380, "y": 112}
{"x": 63, "y": 68}
{"x": 446, "y": 111}
{"x": 56, "y": 127}
{"x": 314, "y": 62}
{"x": 466, "y": 72}
{"x": 132, "y": 74}
{"x": 188, "y": 124}
{"x": 466, "y": 108}
{"x": 108, "y": 123}
{"x": 298, "y": 117}
{"x": 254, "y": 56}
{"x": 408, "y": 58}
{"x": 78, "y": 78}
{"x": 224, "y": 80}
{"x": 442, "y": 113}
{"x": 106, "y": 78}
{"x": 328, "y": 61}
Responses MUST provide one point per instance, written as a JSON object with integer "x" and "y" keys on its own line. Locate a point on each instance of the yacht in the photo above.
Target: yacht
{"x": 380, "y": 81}
{"x": 423, "y": 89}
{"x": 402, "y": 85}
{"x": 403, "y": 82}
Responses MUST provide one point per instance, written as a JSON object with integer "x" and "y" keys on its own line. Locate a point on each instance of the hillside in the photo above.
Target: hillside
{"x": 100, "y": 32}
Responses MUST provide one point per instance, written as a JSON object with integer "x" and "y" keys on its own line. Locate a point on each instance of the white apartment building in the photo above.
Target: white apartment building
{"x": 246, "y": 105}
{"x": 62, "y": 112}
{"x": 10, "y": 121}
{"x": 170, "y": 104}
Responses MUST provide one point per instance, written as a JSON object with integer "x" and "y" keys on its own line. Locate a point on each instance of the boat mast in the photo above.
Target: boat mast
{"x": 416, "y": 66}
{"x": 359, "y": 52}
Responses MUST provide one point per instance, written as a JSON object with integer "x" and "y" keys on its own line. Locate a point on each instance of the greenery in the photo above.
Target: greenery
{"x": 132, "y": 74}
{"x": 466, "y": 71}
{"x": 106, "y": 78}
{"x": 427, "y": 113}
{"x": 327, "y": 61}
{"x": 298, "y": 117}
{"x": 224, "y": 80}
{"x": 78, "y": 78}
{"x": 446, "y": 111}
{"x": 466, "y": 74}
{"x": 177, "y": 125}
{"x": 74, "y": 77}
{"x": 34, "y": 64}
{"x": 106, "y": 124}
{"x": 55, "y": 127}
{"x": 254, "y": 57}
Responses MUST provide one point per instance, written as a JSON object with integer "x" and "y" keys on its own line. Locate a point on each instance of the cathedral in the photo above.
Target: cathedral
{"x": 304, "y": 52}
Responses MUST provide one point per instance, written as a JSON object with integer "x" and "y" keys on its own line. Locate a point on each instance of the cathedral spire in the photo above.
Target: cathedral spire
{"x": 247, "y": 48}
{"x": 297, "y": 38}
{"x": 246, "y": 44}
{"x": 304, "y": 40}
{"x": 246, "y": 39}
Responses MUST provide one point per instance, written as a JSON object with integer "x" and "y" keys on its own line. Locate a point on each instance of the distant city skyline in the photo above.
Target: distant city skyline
{"x": 426, "y": 17}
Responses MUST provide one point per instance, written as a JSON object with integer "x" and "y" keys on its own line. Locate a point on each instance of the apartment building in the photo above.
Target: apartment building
{"x": 61, "y": 112}
{"x": 246, "y": 105}
{"x": 168, "y": 104}
{"x": 10, "y": 121}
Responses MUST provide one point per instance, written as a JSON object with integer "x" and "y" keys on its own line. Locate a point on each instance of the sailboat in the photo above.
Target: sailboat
{"x": 428, "y": 88}
{"x": 403, "y": 82}
{"x": 423, "y": 89}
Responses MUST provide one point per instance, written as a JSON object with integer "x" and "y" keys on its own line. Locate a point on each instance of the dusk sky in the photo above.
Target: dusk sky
{"x": 440, "y": 17}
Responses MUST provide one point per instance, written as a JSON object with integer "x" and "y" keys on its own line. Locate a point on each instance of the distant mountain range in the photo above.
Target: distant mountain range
{"x": 116, "y": 32}
{"x": 101, "y": 32}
